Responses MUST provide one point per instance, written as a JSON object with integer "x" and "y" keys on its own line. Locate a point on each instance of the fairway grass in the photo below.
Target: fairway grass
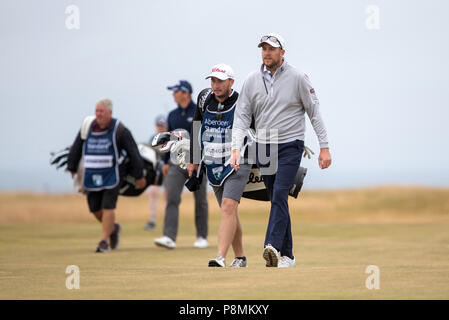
{"x": 337, "y": 234}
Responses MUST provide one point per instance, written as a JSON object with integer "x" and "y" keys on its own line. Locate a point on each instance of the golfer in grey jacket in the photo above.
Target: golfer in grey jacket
{"x": 278, "y": 96}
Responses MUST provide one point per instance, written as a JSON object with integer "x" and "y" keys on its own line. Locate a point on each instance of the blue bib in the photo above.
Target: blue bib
{"x": 100, "y": 156}
{"x": 215, "y": 141}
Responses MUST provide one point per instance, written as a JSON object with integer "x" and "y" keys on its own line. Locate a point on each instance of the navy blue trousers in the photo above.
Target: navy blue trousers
{"x": 279, "y": 233}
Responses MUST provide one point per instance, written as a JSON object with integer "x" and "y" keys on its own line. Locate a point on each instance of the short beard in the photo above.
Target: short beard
{"x": 273, "y": 66}
{"x": 225, "y": 95}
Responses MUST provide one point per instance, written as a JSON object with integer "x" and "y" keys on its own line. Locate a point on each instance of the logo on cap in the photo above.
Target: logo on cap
{"x": 218, "y": 70}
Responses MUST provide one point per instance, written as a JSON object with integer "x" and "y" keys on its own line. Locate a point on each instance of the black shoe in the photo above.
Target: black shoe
{"x": 103, "y": 246}
{"x": 115, "y": 236}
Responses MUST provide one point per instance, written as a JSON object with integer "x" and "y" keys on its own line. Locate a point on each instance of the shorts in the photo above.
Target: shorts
{"x": 104, "y": 199}
{"x": 234, "y": 185}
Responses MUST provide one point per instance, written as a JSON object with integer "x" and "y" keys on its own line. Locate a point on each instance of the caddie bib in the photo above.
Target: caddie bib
{"x": 100, "y": 156}
{"x": 215, "y": 140}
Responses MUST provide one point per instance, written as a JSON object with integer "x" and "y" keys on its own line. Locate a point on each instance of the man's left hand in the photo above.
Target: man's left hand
{"x": 324, "y": 160}
{"x": 141, "y": 183}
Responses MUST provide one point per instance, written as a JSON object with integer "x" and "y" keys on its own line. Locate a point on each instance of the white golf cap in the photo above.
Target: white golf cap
{"x": 273, "y": 39}
{"x": 221, "y": 71}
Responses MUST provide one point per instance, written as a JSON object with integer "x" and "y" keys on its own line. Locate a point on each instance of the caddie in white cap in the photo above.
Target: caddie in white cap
{"x": 213, "y": 122}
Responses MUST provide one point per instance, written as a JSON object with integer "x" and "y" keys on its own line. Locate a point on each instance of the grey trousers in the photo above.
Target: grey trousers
{"x": 174, "y": 184}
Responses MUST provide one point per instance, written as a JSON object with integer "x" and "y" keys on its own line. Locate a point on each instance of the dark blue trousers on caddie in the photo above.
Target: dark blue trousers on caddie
{"x": 278, "y": 185}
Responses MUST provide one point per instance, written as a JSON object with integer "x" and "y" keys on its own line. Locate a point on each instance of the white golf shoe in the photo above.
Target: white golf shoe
{"x": 286, "y": 262}
{"x": 239, "y": 263}
{"x": 165, "y": 242}
{"x": 201, "y": 243}
{"x": 271, "y": 256}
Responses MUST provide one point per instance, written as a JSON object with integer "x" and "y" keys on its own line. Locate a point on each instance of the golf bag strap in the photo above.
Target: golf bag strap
{"x": 85, "y": 126}
{"x": 204, "y": 99}
{"x": 87, "y": 123}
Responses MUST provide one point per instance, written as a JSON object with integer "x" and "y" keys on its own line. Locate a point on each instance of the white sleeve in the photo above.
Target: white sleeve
{"x": 242, "y": 118}
{"x": 312, "y": 106}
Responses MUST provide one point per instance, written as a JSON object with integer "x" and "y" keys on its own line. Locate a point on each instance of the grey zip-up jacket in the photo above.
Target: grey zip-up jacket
{"x": 278, "y": 105}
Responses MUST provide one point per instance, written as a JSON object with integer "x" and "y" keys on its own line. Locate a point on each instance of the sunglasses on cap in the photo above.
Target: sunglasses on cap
{"x": 271, "y": 38}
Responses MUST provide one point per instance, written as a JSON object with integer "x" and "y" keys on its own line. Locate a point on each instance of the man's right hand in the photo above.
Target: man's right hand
{"x": 235, "y": 159}
{"x": 165, "y": 168}
{"x": 191, "y": 168}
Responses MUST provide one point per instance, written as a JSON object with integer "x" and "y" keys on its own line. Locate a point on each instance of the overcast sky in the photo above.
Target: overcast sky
{"x": 383, "y": 83}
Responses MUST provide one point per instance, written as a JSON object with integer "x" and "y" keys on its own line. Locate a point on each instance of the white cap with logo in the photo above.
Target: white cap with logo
{"x": 273, "y": 39}
{"x": 221, "y": 71}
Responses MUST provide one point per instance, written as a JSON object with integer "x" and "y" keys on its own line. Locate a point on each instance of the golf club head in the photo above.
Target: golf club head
{"x": 163, "y": 141}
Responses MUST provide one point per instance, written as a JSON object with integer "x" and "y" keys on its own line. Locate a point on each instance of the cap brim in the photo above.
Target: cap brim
{"x": 271, "y": 43}
{"x": 219, "y": 75}
{"x": 174, "y": 88}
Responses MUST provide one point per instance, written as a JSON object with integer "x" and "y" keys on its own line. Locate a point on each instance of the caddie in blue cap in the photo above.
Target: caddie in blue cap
{"x": 175, "y": 177}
